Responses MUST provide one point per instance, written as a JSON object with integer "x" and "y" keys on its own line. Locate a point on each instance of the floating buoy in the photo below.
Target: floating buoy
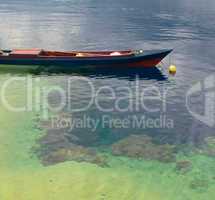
{"x": 172, "y": 69}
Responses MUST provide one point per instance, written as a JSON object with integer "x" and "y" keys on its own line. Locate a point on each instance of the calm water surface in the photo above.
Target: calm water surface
{"x": 188, "y": 26}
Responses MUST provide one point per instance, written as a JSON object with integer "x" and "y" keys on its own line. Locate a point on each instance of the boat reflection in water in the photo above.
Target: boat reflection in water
{"x": 129, "y": 73}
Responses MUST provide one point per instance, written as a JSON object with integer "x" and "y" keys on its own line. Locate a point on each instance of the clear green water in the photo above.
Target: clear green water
{"x": 186, "y": 25}
{"x": 23, "y": 176}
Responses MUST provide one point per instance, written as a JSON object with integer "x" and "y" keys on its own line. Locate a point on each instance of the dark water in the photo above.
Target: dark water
{"x": 188, "y": 26}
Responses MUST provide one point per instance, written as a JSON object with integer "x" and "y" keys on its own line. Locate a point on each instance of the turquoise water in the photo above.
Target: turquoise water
{"x": 108, "y": 161}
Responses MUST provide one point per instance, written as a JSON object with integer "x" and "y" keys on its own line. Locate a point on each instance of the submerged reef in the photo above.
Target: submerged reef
{"x": 199, "y": 184}
{"x": 183, "y": 166}
{"x": 63, "y": 123}
{"x": 58, "y": 145}
{"x": 142, "y": 146}
{"x": 73, "y": 153}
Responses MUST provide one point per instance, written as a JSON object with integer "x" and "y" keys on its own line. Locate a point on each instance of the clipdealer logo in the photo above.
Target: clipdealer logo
{"x": 206, "y": 88}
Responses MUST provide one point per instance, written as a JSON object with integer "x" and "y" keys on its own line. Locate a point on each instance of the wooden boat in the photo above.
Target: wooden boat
{"x": 131, "y": 58}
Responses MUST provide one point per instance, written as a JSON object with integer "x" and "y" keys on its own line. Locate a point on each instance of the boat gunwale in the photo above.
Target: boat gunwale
{"x": 134, "y": 54}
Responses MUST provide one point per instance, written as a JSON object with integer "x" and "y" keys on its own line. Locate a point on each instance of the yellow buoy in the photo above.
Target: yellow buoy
{"x": 172, "y": 69}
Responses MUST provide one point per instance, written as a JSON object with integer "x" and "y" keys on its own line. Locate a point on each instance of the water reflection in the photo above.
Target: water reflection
{"x": 95, "y": 72}
{"x": 110, "y": 72}
{"x": 72, "y": 25}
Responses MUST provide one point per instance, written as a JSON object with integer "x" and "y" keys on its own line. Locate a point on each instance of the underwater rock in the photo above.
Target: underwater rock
{"x": 85, "y": 137}
{"x": 199, "y": 184}
{"x": 77, "y": 131}
{"x": 141, "y": 146}
{"x": 183, "y": 166}
{"x": 100, "y": 160}
{"x": 58, "y": 144}
{"x": 53, "y": 140}
{"x": 54, "y": 157}
{"x": 74, "y": 153}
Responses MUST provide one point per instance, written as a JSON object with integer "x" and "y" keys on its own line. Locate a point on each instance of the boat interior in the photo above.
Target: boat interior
{"x": 43, "y": 53}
